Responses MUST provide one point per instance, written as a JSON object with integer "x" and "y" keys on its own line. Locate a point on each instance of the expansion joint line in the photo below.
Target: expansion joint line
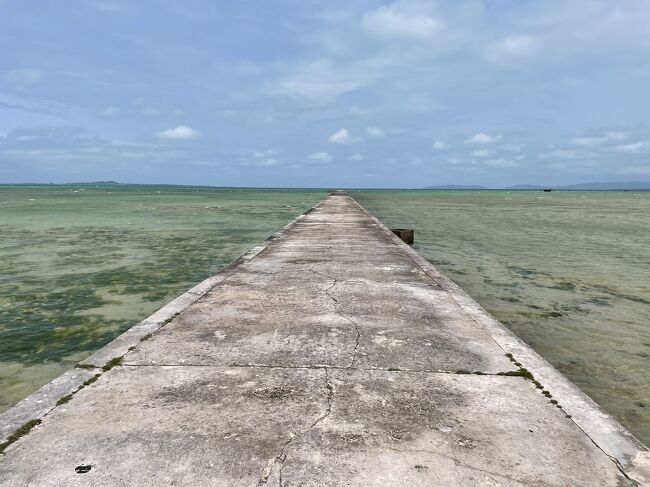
{"x": 335, "y": 281}
{"x": 281, "y": 457}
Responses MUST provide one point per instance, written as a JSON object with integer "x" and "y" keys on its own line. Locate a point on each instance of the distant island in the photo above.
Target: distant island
{"x": 608, "y": 186}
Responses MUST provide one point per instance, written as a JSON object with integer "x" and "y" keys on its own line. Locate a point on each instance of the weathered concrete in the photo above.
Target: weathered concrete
{"x": 331, "y": 355}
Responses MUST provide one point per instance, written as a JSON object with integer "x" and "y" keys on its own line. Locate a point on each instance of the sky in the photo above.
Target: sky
{"x": 305, "y": 93}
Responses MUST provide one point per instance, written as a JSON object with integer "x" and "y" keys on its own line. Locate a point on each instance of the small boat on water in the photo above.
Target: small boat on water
{"x": 548, "y": 190}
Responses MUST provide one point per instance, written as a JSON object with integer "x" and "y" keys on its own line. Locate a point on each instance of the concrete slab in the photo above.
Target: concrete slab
{"x": 312, "y": 318}
{"x": 194, "y": 426}
{"x": 422, "y": 429}
{"x": 190, "y": 426}
{"x": 330, "y": 355}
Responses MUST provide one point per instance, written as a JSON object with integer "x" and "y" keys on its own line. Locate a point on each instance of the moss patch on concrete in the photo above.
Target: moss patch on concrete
{"x": 525, "y": 373}
{"x": 84, "y": 366}
{"x": 19, "y": 433}
{"x": 112, "y": 363}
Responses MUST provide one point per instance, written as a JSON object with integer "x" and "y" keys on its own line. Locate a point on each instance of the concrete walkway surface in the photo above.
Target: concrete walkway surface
{"x": 332, "y": 355}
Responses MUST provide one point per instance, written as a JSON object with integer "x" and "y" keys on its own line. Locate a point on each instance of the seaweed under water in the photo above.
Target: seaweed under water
{"x": 78, "y": 266}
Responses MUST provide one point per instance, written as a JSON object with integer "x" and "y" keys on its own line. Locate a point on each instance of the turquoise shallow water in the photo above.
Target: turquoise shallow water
{"x": 78, "y": 266}
{"x": 568, "y": 272}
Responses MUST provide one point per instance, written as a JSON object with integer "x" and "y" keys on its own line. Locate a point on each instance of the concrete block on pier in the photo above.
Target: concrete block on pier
{"x": 406, "y": 234}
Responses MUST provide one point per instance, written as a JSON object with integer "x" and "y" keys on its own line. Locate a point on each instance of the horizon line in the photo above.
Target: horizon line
{"x": 444, "y": 187}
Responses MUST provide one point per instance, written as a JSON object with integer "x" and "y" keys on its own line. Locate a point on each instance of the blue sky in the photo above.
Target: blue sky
{"x": 325, "y": 93}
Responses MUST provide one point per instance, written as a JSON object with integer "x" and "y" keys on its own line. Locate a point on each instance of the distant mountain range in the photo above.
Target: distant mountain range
{"x": 609, "y": 186}
{"x": 96, "y": 183}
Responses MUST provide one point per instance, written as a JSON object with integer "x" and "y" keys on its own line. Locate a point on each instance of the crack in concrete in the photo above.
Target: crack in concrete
{"x": 281, "y": 457}
{"x": 458, "y": 463}
{"x": 392, "y": 238}
{"x": 342, "y": 315}
{"x": 613, "y": 459}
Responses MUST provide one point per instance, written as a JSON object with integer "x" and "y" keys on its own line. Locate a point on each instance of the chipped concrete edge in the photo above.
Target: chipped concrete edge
{"x": 631, "y": 456}
{"x": 45, "y": 399}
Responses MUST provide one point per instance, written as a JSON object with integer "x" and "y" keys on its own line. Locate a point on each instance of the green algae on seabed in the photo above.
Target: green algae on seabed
{"x": 80, "y": 265}
{"x": 568, "y": 272}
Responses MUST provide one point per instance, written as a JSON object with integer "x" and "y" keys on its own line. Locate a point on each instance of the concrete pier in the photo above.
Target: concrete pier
{"x": 331, "y": 355}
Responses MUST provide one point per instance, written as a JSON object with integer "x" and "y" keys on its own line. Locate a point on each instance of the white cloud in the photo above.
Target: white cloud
{"x": 356, "y": 157}
{"x": 558, "y": 165}
{"x": 320, "y": 157}
{"x": 270, "y": 161}
{"x": 635, "y": 148}
{"x": 559, "y": 154}
{"x": 203, "y": 162}
{"x": 111, "y": 111}
{"x": 314, "y": 88}
{"x": 265, "y": 153}
{"x": 607, "y": 137}
{"x": 400, "y": 20}
{"x": 439, "y": 145}
{"x": 180, "y": 133}
{"x": 24, "y": 76}
{"x": 481, "y": 153}
{"x": 498, "y": 163}
{"x": 375, "y": 132}
{"x": 483, "y": 138}
{"x": 319, "y": 79}
{"x": 342, "y": 137}
{"x": 512, "y": 46}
